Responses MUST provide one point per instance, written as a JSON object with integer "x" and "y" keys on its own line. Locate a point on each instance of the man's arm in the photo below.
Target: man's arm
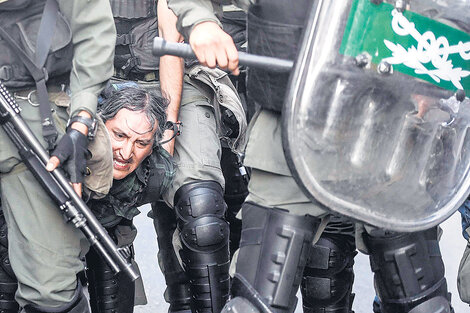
{"x": 171, "y": 69}
{"x": 197, "y": 21}
{"x": 93, "y": 38}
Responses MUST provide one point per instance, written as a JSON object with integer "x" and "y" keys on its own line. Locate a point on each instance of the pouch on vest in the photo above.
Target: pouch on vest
{"x": 136, "y": 26}
{"x": 216, "y": 86}
{"x": 22, "y": 25}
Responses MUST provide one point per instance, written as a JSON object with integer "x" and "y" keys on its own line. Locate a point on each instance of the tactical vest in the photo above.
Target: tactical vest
{"x": 136, "y": 26}
{"x": 21, "y": 20}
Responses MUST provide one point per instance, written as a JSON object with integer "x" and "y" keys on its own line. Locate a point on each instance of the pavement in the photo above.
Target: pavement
{"x": 452, "y": 247}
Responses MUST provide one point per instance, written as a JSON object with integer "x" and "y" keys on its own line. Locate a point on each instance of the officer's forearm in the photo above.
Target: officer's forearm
{"x": 171, "y": 81}
{"x": 191, "y": 13}
{"x": 171, "y": 68}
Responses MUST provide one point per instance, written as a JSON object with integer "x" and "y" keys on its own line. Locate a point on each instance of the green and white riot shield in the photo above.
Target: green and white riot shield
{"x": 376, "y": 120}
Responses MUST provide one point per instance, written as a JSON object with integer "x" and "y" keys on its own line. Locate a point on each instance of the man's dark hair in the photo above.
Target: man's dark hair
{"x": 136, "y": 99}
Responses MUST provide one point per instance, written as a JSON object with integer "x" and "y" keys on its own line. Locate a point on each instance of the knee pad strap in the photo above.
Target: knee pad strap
{"x": 328, "y": 276}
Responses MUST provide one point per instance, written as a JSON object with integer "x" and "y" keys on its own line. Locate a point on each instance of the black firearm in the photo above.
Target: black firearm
{"x": 183, "y": 50}
{"x": 57, "y": 186}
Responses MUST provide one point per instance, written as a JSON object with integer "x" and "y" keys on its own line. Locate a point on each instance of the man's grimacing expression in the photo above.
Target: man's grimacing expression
{"x": 132, "y": 137}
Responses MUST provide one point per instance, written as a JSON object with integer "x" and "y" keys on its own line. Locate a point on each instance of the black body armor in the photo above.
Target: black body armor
{"x": 274, "y": 29}
{"x": 136, "y": 26}
{"x": 20, "y": 20}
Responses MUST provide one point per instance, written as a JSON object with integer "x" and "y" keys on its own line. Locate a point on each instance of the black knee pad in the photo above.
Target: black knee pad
{"x": 200, "y": 209}
{"x": 272, "y": 256}
{"x": 204, "y": 234}
{"x": 236, "y": 183}
{"x": 409, "y": 270}
{"x": 328, "y": 276}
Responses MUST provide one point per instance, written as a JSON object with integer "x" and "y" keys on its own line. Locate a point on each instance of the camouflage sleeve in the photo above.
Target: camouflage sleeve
{"x": 192, "y": 12}
{"x": 465, "y": 212}
{"x": 93, "y": 37}
{"x": 162, "y": 169}
{"x": 169, "y": 165}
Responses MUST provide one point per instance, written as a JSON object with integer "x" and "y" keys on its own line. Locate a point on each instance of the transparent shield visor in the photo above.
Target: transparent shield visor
{"x": 376, "y": 118}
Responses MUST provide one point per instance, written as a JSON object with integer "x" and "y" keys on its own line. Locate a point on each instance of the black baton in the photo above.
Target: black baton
{"x": 183, "y": 50}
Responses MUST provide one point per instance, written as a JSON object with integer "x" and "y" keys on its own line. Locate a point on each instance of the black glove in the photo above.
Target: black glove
{"x": 72, "y": 153}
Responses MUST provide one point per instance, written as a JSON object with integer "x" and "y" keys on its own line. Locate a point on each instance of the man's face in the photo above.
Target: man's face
{"x": 132, "y": 137}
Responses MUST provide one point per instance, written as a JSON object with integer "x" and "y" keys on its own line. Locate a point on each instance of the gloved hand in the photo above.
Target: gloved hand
{"x": 71, "y": 152}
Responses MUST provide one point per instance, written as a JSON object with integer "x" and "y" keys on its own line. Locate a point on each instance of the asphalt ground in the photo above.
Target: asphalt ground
{"x": 452, "y": 247}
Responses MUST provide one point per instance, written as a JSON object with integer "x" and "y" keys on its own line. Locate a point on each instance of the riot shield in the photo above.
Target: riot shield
{"x": 376, "y": 118}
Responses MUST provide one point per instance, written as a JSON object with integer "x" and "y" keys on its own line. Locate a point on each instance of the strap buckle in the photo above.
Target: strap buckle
{"x": 175, "y": 126}
{"x": 90, "y": 123}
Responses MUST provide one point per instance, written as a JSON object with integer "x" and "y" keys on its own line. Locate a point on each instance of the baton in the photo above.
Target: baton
{"x": 183, "y": 50}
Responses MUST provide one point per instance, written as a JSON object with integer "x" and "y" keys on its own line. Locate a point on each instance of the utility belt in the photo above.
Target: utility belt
{"x": 146, "y": 77}
{"x": 53, "y": 83}
{"x": 56, "y": 89}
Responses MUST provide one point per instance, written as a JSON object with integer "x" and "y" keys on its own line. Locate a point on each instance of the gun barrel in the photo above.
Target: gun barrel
{"x": 162, "y": 47}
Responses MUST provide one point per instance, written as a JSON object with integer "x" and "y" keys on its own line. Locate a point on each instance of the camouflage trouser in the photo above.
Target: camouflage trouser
{"x": 44, "y": 251}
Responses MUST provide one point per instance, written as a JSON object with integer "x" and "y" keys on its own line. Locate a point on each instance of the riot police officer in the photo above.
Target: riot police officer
{"x": 50, "y": 48}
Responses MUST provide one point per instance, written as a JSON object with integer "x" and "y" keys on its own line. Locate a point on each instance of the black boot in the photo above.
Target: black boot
{"x": 8, "y": 281}
{"x": 177, "y": 292}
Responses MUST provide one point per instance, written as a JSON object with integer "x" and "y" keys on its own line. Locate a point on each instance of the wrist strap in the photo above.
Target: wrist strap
{"x": 175, "y": 126}
{"x": 90, "y": 123}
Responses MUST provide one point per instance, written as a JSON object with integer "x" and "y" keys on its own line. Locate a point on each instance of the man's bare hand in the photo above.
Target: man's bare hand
{"x": 213, "y": 46}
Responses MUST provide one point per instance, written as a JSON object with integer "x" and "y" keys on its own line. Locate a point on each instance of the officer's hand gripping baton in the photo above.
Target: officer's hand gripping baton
{"x": 183, "y": 50}
{"x": 57, "y": 186}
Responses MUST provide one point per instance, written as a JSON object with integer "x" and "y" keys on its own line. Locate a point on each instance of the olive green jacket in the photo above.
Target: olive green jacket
{"x": 192, "y": 12}
{"x": 93, "y": 37}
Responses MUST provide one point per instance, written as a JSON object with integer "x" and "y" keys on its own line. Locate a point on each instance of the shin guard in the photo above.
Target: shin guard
{"x": 273, "y": 252}
{"x": 409, "y": 272}
{"x": 204, "y": 234}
